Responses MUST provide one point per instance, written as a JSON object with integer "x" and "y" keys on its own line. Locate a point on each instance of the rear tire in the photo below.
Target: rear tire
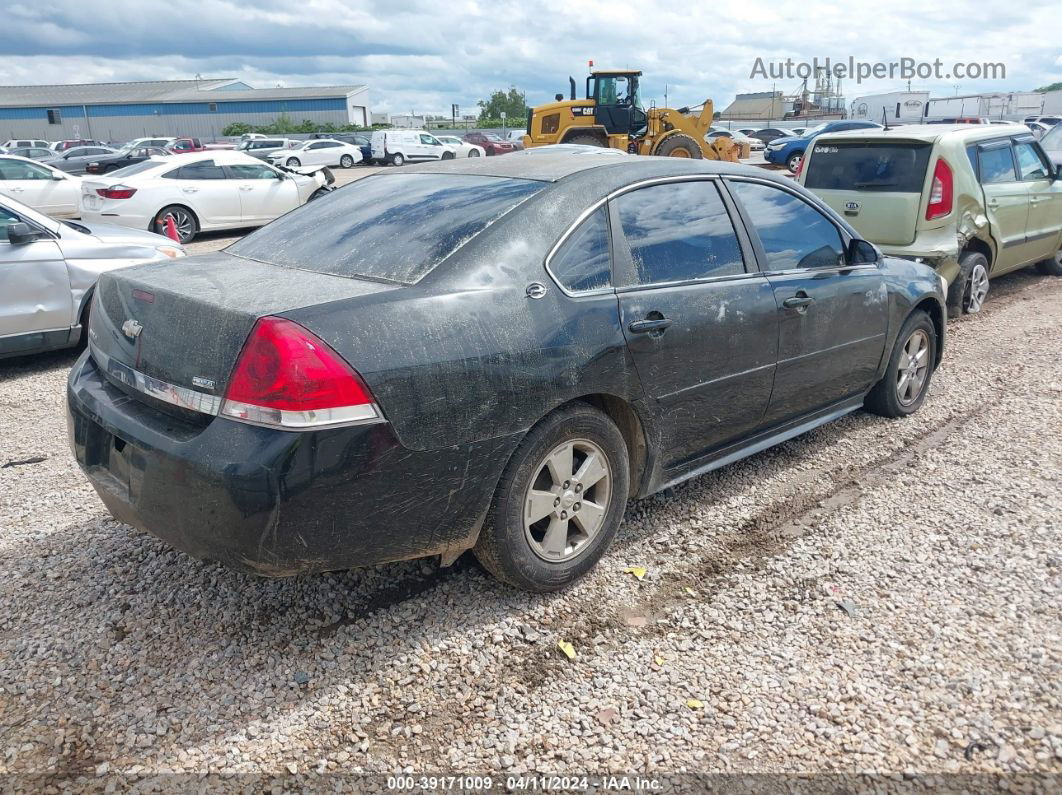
{"x": 398, "y": 159}
{"x": 1050, "y": 267}
{"x": 187, "y": 223}
{"x": 293, "y": 162}
{"x": 448, "y": 156}
{"x": 679, "y": 146}
{"x": 968, "y": 292}
{"x": 576, "y": 527}
{"x": 914, "y": 354}
{"x": 586, "y": 139}
{"x": 346, "y": 161}
{"x": 473, "y": 153}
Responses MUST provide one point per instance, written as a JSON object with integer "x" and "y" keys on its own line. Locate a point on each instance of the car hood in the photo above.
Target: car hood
{"x": 113, "y": 235}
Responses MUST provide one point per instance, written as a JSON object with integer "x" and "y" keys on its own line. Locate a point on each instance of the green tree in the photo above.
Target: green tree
{"x": 237, "y": 128}
{"x": 512, "y": 102}
{"x": 1052, "y": 87}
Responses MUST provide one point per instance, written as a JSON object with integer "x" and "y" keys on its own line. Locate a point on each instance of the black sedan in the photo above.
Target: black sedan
{"x": 104, "y": 164}
{"x": 490, "y": 354}
{"x": 768, "y": 134}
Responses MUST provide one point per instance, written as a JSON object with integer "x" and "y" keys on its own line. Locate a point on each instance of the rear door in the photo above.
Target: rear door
{"x": 876, "y": 186}
{"x": 1006, "y": 203}
{"x": 699, "y": 319}
{"x": 1044, "y": 228}
{"x": 34, "y": 288}
{"x": 832, "y": 316}
{"x": 263, "y": 195}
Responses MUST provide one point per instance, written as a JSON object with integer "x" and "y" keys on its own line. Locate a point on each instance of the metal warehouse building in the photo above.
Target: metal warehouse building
{"x": 200, "y": 108}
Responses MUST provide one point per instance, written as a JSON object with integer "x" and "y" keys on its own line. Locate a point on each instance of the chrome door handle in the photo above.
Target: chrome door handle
{"x": 246, "y": 187}
{"x": 17, "y": 190}
{"x": 647, "y": 326}
{"x": 798, "y": 302}
{"x": 1035, "y": 200}
{"x": 190, "y": 190}
{"x": 993, "y": 203}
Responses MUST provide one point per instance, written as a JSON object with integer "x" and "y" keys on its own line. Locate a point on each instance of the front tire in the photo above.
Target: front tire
{"x": 293, "y": 162}
{"x": 559, "y": 502}
{"x": 680, "y": 146}
{"x": 448, "y": 156}
{"x": 473, "y": 153}
{"x": 968, "y": 292}
{"x": 793, "y": 163}
{"x": 185, "y": 220}
{"x": 346, "y": 161}
{"x": 903, "y": 388}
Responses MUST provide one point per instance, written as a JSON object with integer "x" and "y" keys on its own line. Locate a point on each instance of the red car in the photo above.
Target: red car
{"x": 184, "y": 145}
{"x": 494, "y": 144}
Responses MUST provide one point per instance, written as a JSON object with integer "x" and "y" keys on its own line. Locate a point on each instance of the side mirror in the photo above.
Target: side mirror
{"x": 860, "y": 252}
{"x": 57, "y": 177}
{"x": 21, "y": 233}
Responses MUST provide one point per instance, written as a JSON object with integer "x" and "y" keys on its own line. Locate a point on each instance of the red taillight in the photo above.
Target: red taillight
{"x": 116, "y": 192}
{"x": 940, "y": 193}
{"x": 286, "y": 377}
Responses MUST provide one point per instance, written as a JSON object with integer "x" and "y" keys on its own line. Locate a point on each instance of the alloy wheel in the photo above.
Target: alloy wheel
{"x": 977, "y": 289}
{"x": 913, "y": 368}
{"x": 567, "y": 499}
{"x": 184, "y": 222}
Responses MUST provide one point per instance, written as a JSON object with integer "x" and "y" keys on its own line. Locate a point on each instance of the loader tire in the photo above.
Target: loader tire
{"x": 585, "y": 140}
{"x": 679, "y": 146}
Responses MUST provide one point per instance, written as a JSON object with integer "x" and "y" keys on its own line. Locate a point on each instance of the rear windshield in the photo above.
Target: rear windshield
{"x": 136, "y": 168}
{"x": 884, "y": 167}
{"x": 391, "y": 227}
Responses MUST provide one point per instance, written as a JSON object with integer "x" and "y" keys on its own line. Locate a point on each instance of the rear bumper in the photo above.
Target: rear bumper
{"x": 275, "y": 503}
{"x": 107, "y": 215}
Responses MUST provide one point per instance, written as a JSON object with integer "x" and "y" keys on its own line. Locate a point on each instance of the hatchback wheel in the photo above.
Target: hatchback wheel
{"x": 559, "y": 502}
{"x": 293, "y": 162}
{"x": 903, "y": 388}
{"x": 970, "y": 288}
{"x": 183, "y": 219}
{"x": 346, "y": 161}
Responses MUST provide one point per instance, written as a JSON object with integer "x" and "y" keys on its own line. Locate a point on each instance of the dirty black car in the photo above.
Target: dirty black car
{"x": 490, "y": 354}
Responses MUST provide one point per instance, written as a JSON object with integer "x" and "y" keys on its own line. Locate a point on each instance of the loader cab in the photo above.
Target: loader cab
{"x": 617, "y": 102}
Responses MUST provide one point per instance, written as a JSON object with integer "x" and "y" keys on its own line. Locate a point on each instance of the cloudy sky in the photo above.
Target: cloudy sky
{"x": 423, "y": 55}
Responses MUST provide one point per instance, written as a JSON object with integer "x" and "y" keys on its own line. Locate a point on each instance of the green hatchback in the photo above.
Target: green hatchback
{"x": 972, "y": 201}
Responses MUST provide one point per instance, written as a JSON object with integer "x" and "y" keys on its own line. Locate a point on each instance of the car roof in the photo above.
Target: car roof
{"x": 557, "y": 167}
{"x": 930, "y": 133}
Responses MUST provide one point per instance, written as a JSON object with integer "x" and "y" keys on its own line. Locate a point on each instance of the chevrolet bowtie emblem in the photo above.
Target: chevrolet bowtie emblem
{"x": 132, "y": 328}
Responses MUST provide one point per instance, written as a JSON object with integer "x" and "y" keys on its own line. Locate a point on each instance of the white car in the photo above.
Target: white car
{"x": 40, "y": 186}
{"x": 26, "y": 143}
{"x": 398, "y": 147}
{"x": 201, "y": 191}
{"x": 318, "y": 152}
{"x": 755, "y": 144}
{"x": 461, "y": 148}
{"x": 48, "y": 270}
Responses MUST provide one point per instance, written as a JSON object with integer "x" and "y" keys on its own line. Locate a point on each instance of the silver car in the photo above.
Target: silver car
{"x": 48, "y": 270}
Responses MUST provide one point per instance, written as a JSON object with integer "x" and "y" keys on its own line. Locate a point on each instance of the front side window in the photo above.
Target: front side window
{"x": 793, "y": 233}
{"x": 6, "y": 219}
{"x": 1030, "y": 163}
{"x": 550, "y": 124}
{"x": 582, "y": 263}
{"x": 252, "y": 172}
{"x": 17, "y": 169}
{"x": 996, "y": 165}
{"x": 679, "y": 231}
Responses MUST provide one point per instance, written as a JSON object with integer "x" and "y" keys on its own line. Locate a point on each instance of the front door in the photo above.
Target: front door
{"x": 1043, "y": 230}
{"x": 700, "y": 321}
{"x": 832, "y": 316}
{"x": 34, "y": 287}
{"x": 263, "y": 196}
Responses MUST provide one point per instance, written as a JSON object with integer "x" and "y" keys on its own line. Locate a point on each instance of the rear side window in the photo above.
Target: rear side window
{"x": 898, "y": 168}
{"x": 393, "y": 227}
{"x": 996, "y": 165}
{"x": 793, "y": 233}
{"x": 582, "y": 263}
{"x": 679, "y": 231}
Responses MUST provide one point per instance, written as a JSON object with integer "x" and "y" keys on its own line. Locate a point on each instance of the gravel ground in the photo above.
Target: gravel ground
{"x": 875, "y": 595}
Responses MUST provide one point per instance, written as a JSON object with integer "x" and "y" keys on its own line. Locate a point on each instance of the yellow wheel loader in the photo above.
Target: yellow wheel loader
{"x": 612, "y": 115}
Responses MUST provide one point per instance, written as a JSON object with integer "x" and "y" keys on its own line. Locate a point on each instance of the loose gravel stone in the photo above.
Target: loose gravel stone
{"x": 119, "y": 655}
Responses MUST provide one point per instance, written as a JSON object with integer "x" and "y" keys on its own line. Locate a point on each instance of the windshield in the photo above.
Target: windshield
{"x": 1053, "y": 138}
{"x": 814, "y": 130}
{"x": 136, "y": 168}
{"x": 395, "y": 228}
{"x": 491, "y": 137}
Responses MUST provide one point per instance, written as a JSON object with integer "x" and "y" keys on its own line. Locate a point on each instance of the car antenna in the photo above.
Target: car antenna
{"x": 884, "y": 118}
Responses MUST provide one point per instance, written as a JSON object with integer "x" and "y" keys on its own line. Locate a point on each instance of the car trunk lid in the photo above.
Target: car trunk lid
{"x": 876, "y": 186}
{"x": 173, "y": 330}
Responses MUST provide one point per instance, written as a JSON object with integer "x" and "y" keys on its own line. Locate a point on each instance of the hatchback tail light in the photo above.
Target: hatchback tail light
{"x": 288, "y": 378}
{"x": 116, "y": 192}
{"x": 941, "y": 191}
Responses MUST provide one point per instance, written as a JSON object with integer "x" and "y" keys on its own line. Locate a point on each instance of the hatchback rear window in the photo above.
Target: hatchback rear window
{"x": 885, "y": 167}
{"x": 390, "y": 227}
